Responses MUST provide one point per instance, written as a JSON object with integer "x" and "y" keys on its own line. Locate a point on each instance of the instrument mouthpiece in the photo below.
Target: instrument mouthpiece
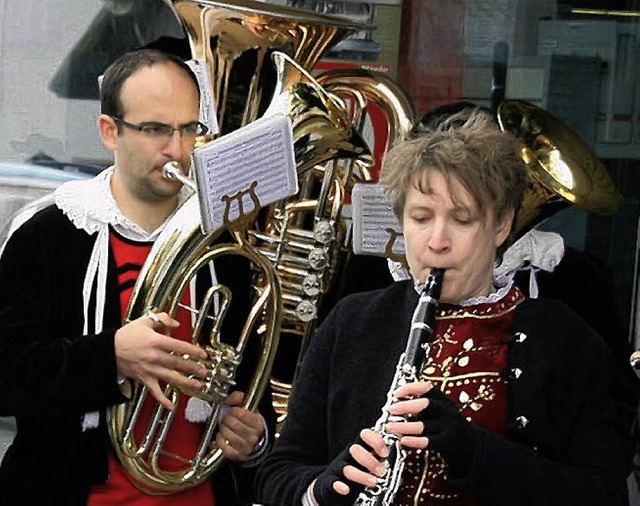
{"x": 173, "y": 171}
{"x": 435, "y": 276}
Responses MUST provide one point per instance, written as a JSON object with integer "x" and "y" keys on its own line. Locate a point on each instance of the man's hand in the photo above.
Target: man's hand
{"x": 147, "y": 356}
{"x": 240, "y": 429}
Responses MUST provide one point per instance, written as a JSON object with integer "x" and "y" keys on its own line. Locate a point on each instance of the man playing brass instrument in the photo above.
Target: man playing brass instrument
{"x": 512, "y": 405}
{"x": 67, "y": 275}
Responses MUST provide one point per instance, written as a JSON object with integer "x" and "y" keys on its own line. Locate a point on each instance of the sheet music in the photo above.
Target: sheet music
{"x": 372, "y": 216}
{"x": 260, "y": 153}
{"x": 207, "y": 105}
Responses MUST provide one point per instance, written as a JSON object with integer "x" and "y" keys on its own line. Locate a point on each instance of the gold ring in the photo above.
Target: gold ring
{"x": 154, "y": 317}
{"x": 227, "y": 442}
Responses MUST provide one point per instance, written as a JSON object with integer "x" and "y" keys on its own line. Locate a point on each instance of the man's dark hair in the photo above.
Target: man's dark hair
{"x": 124, "y": 67}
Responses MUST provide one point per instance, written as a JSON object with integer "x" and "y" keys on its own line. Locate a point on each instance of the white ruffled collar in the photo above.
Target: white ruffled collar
{"x": 90, "y": 206}
{"x": 536, "y": 250}
{"x": 539, "y": 249}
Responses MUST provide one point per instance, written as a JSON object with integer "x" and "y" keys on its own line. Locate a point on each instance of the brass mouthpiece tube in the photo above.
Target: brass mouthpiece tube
{"x": 173, "y": 171}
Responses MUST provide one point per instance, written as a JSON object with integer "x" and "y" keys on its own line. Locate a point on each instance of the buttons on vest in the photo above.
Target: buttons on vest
{"x": 518, "y": 424}
{"x": 519, "y": 337}
{"x": 511, "y": 373}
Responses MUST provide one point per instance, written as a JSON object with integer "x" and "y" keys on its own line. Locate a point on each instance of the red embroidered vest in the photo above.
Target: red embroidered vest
{"x": 464, "y": 361}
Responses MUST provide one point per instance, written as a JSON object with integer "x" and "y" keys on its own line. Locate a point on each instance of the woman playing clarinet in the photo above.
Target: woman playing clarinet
{"x": 510, "y": 405}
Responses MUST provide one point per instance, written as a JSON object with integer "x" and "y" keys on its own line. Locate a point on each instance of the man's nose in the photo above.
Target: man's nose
{"x": 174, "y": 148}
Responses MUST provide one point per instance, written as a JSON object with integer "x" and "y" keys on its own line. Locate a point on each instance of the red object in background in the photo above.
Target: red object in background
{"x": 431, "y": 61}
{"x": 430, "y": 67}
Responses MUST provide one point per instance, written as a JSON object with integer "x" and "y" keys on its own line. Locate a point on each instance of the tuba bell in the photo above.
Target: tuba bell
{"x": 238, "y": 40}
{"x": 563, "y": 170}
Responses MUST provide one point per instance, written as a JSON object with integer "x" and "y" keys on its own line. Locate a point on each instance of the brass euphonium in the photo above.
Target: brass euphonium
{"x": 177, "y": 258}
{"x": 233, "y": 37}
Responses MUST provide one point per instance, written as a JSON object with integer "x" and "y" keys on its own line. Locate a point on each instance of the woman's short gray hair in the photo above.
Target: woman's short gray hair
{"x": 467, "y": 146}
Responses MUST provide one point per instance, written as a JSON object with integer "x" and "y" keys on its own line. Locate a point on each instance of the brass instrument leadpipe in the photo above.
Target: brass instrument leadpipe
{"x": 407, "y": 371}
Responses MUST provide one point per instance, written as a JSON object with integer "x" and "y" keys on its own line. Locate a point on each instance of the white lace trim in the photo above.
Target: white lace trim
{"x": 534, "y": 251}
{"x": 89, "y": 204}
{"x": 496, "y": 296}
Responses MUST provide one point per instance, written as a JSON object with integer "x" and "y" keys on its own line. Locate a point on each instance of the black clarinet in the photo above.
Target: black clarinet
{"x": 407, "y": 371}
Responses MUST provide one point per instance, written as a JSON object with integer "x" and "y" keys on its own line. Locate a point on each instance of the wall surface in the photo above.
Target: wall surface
{"x": 35, "y": 36}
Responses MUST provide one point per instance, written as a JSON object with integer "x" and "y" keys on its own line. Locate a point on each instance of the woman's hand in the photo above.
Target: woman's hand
{"x": 357, "y": 467}
{"x": 434, "y": 422}
{"x": 410, "y": 404}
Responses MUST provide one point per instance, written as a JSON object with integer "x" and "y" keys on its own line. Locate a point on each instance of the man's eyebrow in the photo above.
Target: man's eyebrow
{"x": 155, "y": 122}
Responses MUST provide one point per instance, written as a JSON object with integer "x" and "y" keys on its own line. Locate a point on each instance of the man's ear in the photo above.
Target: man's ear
{"x": 108, "y": 131}
{"x": 503, "y": 227}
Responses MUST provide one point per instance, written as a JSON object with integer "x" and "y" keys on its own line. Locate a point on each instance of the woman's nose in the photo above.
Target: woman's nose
{"x": 439, "y": 238}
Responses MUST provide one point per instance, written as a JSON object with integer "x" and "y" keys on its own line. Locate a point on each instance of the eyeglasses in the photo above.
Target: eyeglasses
{"x": 155, "y": 130}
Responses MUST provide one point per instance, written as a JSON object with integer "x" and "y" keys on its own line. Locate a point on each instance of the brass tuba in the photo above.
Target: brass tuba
{"x": 563, "y": 169}
{"x": 238, "y": 40}
{"x": 308, "y": 236}
{"x": 302, "y": 235}
{"x": 311, "y": 232}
